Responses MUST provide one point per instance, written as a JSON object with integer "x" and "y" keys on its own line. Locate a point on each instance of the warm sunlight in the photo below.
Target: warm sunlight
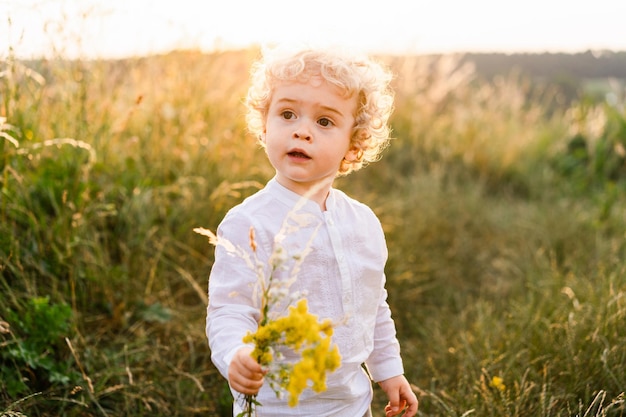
{"x": 474, "y": 267}
{"x": 117, "y": 28}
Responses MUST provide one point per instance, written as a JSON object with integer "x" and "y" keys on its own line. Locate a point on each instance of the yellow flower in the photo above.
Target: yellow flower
{"x": 497, "y": 383}
{"x": 300, "y": 331}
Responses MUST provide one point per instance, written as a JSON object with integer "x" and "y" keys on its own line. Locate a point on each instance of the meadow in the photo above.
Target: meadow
{"x": 504, "y": 213}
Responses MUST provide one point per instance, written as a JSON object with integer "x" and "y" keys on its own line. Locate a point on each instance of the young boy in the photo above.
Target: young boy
{"x": 318, "y": 114}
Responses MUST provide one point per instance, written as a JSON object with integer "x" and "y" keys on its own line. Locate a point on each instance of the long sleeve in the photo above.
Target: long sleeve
{"x": 231, "y": 312}
{"x": 385, "y": 361}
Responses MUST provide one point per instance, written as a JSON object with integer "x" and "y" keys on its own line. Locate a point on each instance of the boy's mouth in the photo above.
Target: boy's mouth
{"x": 298, "y": 154}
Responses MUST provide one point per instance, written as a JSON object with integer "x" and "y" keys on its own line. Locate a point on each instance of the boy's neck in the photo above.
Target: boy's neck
{"x": 317, "y": 192}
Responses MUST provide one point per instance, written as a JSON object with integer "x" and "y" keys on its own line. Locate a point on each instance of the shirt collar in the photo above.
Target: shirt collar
{"x": 291, "y": 198}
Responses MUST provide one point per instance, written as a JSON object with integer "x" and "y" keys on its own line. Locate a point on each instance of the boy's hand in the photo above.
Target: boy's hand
{"x": 245, "y": 375}
{"x": 402, "y": 400}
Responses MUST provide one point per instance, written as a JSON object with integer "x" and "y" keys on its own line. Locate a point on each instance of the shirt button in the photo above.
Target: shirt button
{"x": 330, "y": 222}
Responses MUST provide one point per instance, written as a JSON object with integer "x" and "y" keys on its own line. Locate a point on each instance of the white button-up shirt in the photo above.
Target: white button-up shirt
{"x": 342, "y": 277}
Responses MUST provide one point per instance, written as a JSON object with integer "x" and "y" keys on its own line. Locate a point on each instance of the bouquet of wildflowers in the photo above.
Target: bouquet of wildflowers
{"x": 298, "y": 330}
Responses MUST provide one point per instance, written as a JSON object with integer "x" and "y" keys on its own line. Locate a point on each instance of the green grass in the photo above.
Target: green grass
{"x": 506, "y": 243}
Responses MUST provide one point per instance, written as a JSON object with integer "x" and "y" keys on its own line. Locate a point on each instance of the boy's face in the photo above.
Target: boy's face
{"x": 307, "y": 132}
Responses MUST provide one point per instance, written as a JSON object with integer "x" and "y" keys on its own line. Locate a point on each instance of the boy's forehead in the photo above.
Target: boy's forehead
{"x": 316, "y": 81}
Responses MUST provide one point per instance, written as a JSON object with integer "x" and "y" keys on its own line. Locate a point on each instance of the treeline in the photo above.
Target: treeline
{"x": 585, "y": 65}
{"x": 571, "y": 73}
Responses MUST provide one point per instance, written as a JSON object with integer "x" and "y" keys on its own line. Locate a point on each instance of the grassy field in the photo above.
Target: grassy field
{"x": 506, "y": 227}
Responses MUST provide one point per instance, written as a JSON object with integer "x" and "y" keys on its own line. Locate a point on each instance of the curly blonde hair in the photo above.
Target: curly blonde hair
{"x": 356, "y": 76}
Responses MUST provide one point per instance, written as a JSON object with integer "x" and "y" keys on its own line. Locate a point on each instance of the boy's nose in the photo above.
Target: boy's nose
{"x": 302, "y": 131}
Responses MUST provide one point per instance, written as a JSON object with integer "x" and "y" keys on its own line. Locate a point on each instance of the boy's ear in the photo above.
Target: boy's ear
{"x": 354, "y": 154}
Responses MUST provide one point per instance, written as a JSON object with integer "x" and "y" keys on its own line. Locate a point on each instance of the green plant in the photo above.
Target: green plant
{"x": 33, "y": 355}
{"x": 594, "y": 157}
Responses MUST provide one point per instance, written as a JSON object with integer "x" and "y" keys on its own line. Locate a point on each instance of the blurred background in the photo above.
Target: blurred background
{"x": 502, "y": 196}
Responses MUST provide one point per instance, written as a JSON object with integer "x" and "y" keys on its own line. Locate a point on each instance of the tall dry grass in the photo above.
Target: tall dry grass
{"x": 506, "y": 246}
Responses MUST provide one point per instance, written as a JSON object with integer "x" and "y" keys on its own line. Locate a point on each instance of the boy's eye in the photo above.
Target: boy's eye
{"x": 287, "y": 114}
{"x": 325, "y": 122}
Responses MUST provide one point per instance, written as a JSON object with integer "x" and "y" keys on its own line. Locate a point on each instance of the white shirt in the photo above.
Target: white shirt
{"x": 342, "y": 277}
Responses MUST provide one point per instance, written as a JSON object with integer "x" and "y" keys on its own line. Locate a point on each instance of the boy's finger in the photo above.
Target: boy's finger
{"x": 394, "y": 410}
{"x": 412, "y": 410}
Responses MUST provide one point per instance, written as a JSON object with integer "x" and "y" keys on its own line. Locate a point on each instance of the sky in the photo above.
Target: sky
{"x": 123, "y": 28}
